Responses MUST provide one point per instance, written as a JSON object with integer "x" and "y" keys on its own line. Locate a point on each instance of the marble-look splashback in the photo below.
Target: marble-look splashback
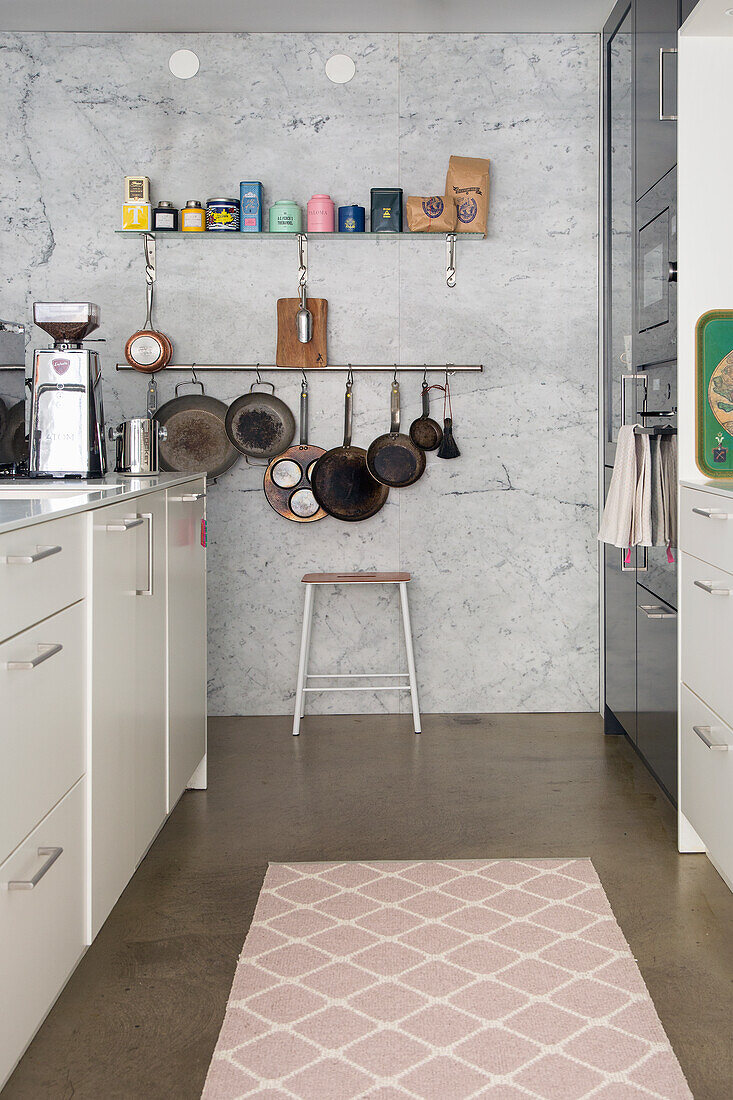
{"x": 501, "y": 543}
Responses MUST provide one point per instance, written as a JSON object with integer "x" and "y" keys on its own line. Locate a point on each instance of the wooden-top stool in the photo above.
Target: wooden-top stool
{"x": 311, "y": 580}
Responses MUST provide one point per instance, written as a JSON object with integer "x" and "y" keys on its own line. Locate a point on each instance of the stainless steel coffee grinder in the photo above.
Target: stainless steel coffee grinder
{"x": 67, "y": 416}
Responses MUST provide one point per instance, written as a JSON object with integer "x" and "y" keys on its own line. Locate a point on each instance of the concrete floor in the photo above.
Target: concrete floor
{"x": 140, "y": 1016}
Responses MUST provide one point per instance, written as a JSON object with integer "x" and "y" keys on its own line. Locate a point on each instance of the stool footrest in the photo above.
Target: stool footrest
{"x": 366, "y": 687}
{"x": 353, "y": 675}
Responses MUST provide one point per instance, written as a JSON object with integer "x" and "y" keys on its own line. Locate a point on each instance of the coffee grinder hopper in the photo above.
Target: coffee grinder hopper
{"x": 66, "y": 322}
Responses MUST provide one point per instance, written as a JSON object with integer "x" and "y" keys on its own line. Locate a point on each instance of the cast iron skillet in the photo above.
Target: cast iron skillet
{"x": 287, "y": 479}
{"x": 260, "y": 425}
{"x": 341, "y": 482}
{"x": 393, "y": 458}
{"x": 426, "y": 432}
{"x": 197, "y": 439}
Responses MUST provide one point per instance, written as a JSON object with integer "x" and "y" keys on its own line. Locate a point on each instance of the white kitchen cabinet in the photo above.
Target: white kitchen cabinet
{"x": 42, "y": 570}
{"x": 186, "y": 636}
{"x": 42, "y": 922}
{"x": 150, "y": 788}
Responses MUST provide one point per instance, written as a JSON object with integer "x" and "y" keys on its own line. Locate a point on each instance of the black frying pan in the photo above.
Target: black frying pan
{"x": 393, "y": 458}
{"x": 426, "y": 432}
{"x": 341, "y": 481}
{"x": 197, "y": 439}
{"x": 260, "y": 425}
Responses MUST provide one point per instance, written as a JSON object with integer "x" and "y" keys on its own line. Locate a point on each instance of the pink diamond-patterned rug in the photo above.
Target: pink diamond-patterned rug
{"x": 439, "y": 980}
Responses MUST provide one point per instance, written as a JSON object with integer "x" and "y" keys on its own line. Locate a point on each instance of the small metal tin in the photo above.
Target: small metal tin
{"x": 386, "y": 209}
{"x": 286, "y": 217}
{"x": 250, "y": 206}
{"x": 193, "y": 217}
{"x": 165, "y": 218}
{"x": 352, "y": 219}
{"x": 222, "y": 215}
{"x": 137, "y": 216}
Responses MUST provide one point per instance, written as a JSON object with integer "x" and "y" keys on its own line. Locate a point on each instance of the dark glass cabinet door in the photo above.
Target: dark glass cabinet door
{"x": 656, "y": 735}
{"x": 655, "y": 84}
{"x": 620, "y": 636}
{"x": 618, "y": 199}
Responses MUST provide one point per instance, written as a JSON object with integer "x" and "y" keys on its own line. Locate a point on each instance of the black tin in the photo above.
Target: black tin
{"x": 386, "y": 209}
{"x": 165, "y": 218}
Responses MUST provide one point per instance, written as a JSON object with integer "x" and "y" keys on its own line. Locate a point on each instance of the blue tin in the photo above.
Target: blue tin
{"x": 250, "y": 202}
{"x": 352, "y": 219}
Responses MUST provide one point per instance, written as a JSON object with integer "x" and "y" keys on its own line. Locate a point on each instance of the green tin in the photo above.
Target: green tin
{"x": 714, "y": 415}
{"x": 285, "y": 217}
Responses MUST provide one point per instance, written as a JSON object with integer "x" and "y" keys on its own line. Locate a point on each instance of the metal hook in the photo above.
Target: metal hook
{"x": 349, "y": 377}
{"x": 302, "y": 260}
{"x": 394, "y": 376}
{"x": 149, "y": 249}
{"x": 425, "y": 375}
{"x": 450, "y": 259}
{"x": 193, "y": 373}
{"x": 257, "y": 372}
{"x": 304, "y": 383}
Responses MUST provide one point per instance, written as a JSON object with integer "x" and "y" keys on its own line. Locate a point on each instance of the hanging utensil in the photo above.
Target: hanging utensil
{"x": 196, "y": 439}
{"x": 426, "y": 432}
{"x": 260, "y": 425}
{"x": 341, "y": 481}
{"x": 152, "y": 397}
{"x": 287, "y": 482}
{"x": 304, "y": 317}
{"x": 448, "y": 448}
{"x": 393, "y": 458}
{"x": 148, "y": 350}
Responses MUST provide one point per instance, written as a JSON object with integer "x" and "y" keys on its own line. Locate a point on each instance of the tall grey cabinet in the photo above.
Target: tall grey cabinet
{"x": 639, "y": 358}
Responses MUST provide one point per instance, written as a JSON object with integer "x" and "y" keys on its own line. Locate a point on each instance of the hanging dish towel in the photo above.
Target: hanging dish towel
{"x": 658, "y": 509}
{"x": 668, "y": 463}
{"x": 642, "y": 529}
{"x": 617, "y": 524}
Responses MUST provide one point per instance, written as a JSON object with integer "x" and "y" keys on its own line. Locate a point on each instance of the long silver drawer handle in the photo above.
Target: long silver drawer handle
{"x": 711, "y": 513}
{"x": 656, "y": 611}
{"x": 127, "y": 524}
{"x": 662, "y": 51}
{"x": 702, "y": 732}
{"x": 712, "y": 589}
{"x": 189, "y": 496}
{"x": 46, "y": 651}
{"x": 30, "y": 559}
{"x": 31, "y": 883}
{"x": 149, "y": 590}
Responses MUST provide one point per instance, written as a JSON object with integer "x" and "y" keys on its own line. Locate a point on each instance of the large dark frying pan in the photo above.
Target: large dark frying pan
{"x": 426, "y": 432}
{"x": 260, "y": 425}
{"x": 13, "y": 446}
{"x": 393, "y": 458}
{"x": 287, "y": 479}
{"x": 341, "y": 482}
{"x": 197, "y": 439}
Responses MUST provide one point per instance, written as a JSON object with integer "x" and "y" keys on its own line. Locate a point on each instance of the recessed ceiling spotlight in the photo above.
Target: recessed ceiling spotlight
{"x": 183, "y": 64}
{"x": 340, "y": 68}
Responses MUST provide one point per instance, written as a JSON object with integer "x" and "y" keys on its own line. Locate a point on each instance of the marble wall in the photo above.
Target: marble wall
{"x": 501, "y": 542}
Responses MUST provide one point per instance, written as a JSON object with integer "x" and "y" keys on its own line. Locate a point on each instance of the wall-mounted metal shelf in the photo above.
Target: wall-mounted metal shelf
{"x": 414, "y": 368}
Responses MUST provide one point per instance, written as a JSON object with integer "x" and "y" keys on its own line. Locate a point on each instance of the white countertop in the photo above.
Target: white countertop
{"x": 23, "y": 503}
{"x": 722, "y": 488}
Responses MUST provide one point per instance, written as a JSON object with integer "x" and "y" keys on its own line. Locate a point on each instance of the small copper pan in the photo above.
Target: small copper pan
{"x": 287, "y": 479}
{"x": 148, "y": 350}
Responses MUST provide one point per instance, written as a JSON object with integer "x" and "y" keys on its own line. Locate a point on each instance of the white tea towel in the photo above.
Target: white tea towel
{"x": 668, "y": 462}
{"x": 658, "y": 511}
{"x": 617, "y": 523}
{"x": 642, "y": 528}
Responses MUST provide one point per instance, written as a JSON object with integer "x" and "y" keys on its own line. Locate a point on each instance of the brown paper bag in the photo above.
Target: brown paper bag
{"x": 468, "y": 183}
{"x": 431, "y": 214}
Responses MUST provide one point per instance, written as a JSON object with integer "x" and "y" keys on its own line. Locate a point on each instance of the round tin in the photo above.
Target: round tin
{"x": 320, "y": 214}
{"x": 285, "y": 217}
{"x": 222, "y": 215}
{"x": 352, "y": 219}
{"x": 165, "y": 218}
{"x": 193, "y": 217}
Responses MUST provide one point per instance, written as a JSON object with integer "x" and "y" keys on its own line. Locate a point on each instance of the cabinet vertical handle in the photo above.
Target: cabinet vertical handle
{"x": 636, "y": 377}
{"x": 702, "y": 732}
{"x": 662, "y": 51}
{"x": 31, "y": 883}
{"x": 149, "y": 590}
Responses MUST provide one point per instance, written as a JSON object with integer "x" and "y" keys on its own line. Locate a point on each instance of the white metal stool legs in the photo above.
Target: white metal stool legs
{"x": 303, "y": 661}
{"x": 410, "y": 656}
{"x": 308, "y": 650}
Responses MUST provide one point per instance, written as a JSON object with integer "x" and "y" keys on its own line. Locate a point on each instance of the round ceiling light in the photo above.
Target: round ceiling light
{"x": 340, "y": 68}
{"x": 183, "y": 64}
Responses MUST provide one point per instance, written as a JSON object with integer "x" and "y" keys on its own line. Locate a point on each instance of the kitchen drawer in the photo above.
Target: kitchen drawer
{"x": 41, "y": 929}
{"x": 706, "y": 595}
{"x": 707, "y": 532}
{"x": 42, "y": 734}
{"x": 48, "y": 575}
{"x": 706, "y": 780}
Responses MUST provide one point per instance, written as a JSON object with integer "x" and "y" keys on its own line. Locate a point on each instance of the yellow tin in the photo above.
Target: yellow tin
{"x": 193, "y": 217}
{"x": 137, "y": 216}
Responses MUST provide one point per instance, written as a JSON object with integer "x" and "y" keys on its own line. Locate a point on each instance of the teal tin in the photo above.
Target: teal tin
{"x": 286, "y": 217}
{"x": 250, "y": 206}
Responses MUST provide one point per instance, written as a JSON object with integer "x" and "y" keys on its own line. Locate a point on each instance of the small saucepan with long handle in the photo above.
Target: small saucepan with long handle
{"x": 426, "y": 432}
{"x": 148, "y": 350}
{"x": 287, "y": 481}
{"x": 393, "y": 458}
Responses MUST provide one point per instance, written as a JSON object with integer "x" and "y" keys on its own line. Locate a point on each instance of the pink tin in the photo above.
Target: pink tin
{"x": 320, "y": 214}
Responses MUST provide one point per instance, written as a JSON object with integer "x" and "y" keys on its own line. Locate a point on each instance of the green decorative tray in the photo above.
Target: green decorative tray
{"x": 714, "y": 368}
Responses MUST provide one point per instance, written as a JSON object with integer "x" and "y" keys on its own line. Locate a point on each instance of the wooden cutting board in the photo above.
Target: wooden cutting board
{"x": 290, "y": 352}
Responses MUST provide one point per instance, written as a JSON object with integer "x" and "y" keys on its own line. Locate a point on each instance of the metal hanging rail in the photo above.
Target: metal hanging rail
{"x": 451, "y": 368}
